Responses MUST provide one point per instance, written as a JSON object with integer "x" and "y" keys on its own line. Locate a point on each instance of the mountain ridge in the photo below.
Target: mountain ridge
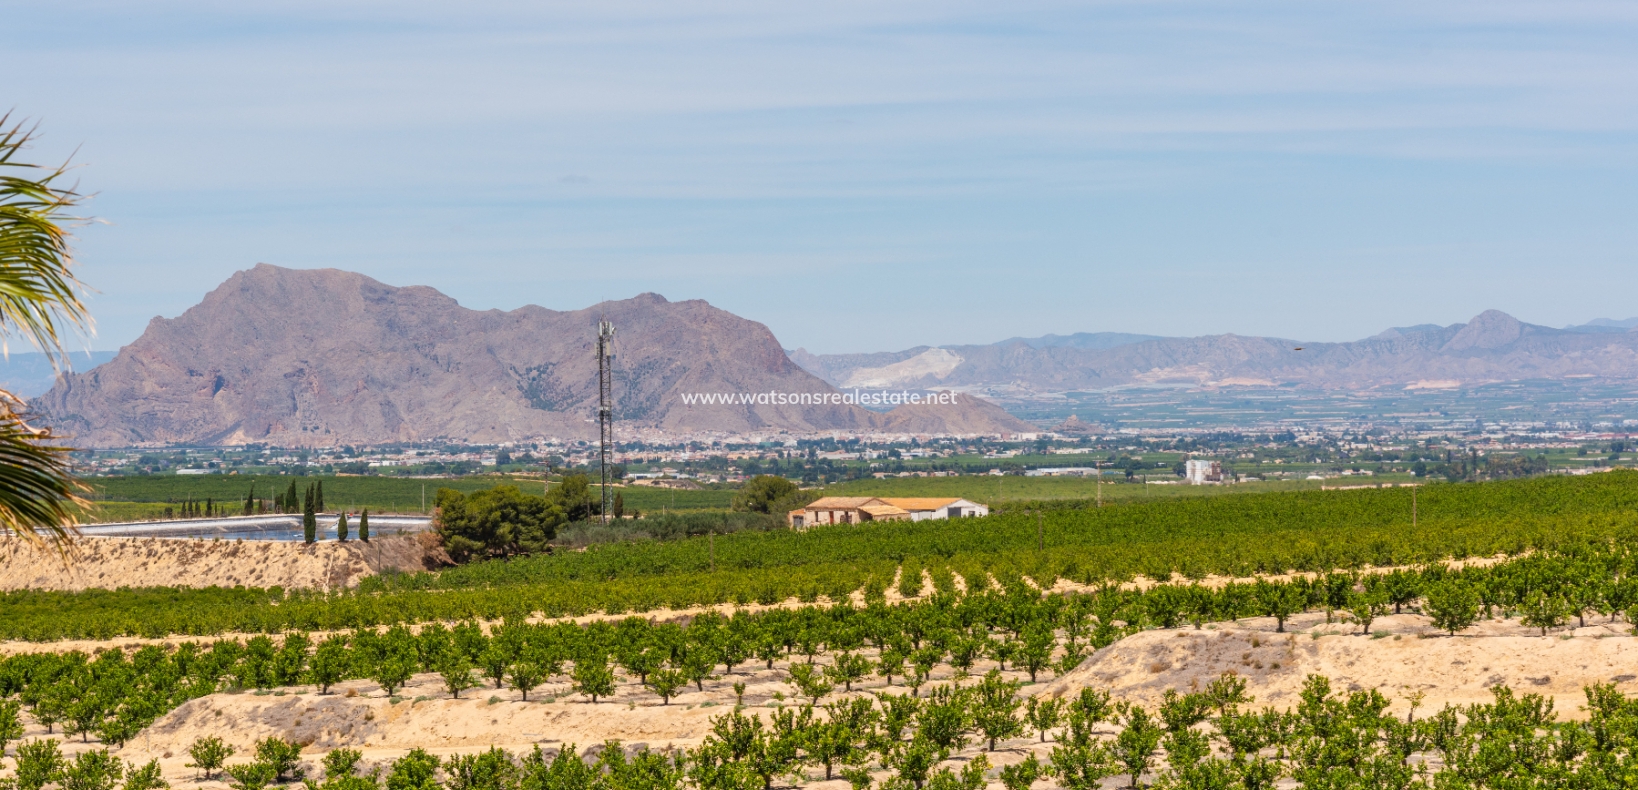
{"x": 1492, "y": 346}
{"x": 323, "y": 357}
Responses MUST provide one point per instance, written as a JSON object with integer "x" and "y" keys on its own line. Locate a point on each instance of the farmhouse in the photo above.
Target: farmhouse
{"x": 858, "y": 509}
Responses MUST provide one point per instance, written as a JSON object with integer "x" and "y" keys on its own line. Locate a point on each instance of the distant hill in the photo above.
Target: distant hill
{"x": 29, "y": 374}
{"x": 1493, "y": 346}
{"x": 326, "y": 357}
{"x": 1600, "y": 325}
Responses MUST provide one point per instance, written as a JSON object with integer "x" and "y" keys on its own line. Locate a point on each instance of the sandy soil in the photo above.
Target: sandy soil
{"x": 1401, "y": 656}
{"x": 110, "y": 563}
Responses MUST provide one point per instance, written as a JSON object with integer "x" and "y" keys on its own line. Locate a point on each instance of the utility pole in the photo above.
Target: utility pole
{"x": 605, "y": 407}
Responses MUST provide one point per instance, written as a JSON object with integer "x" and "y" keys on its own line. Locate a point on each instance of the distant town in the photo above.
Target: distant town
{"x": 1485, "y": 450}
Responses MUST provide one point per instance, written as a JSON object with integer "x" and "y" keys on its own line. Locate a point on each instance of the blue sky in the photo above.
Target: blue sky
{"x": 861, "y": 176}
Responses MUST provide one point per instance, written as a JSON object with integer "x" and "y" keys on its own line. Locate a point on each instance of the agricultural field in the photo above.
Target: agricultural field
{"x": 1298, "y": 638}
{"x": 139, "y": 497}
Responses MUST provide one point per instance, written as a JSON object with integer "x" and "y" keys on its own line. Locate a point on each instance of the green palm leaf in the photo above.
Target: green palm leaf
{"x": 39, "y": 301}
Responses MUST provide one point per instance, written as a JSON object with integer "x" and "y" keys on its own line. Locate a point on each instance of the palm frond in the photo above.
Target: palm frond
{"x": 40, "y": 300}
{"x": 39, "y": 495}
{"x": 39, "y": 295}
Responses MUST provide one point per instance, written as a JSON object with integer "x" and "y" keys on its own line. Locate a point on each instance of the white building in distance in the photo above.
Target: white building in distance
{"x": 1202, "y": 472}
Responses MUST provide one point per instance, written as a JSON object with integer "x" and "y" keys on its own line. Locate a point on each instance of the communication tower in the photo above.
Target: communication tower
{"x": 605, "y": 407}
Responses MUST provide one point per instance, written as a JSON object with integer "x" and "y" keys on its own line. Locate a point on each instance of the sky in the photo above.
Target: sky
{"x": 859, "y": 176}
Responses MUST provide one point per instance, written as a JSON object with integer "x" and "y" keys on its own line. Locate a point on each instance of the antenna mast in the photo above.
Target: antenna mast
{"x": 605, "y": 407}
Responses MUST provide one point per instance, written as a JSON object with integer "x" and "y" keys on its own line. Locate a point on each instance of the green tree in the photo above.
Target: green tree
{"x": 253, "y": 775}
{"x": 309, "y": 519}
{"x": 995, "y": 708}
{"x": 1367, "y": 606}
{"x": 341, "y": 527}
{"x": 809, "y": 681}
{"x": 281, "y": 755}
{"x": 499, "y": 522}
{"x": 1134, "y": 747}
{"x": 1279, "y": 600}
{"x": 1544, "y": 611}
{"x": 593, "y": 677}
{"x": 329, "y": 664}
{"x": 1020, "y": 776}
{"x": 39, "y": 762}
{"x": 39, "y": 300}
{"x": 97, "y": 769}
{"x": 665, "y": 681}
{"x": 11, "y": 723}
{"x": 318, "y": 496}
{"x": 457, "y": 675}
{"x": 1044, "y": 715}
{"x": 849, "y": 668}
{"x": 525, "y": 676}
{"x": 416, "y": 770}
{"x": 341, "y": 763}
{"x": 619, "y": 505}
{"x": 1452, "y": 606}
{"x": 209, "y": 753}
{"x": 760, "y": 493}
{"x": 364, "y": 526}
{"x": 146, "y": 777}
{"x": 573, "y": 496}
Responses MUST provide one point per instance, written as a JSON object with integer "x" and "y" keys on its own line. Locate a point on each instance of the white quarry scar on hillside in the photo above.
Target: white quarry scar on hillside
{"x": 932, "y": 362}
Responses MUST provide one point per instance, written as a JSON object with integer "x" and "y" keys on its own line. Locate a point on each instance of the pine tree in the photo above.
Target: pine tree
{"x": 364, "y": 526}
{"x": 341, "y": 528}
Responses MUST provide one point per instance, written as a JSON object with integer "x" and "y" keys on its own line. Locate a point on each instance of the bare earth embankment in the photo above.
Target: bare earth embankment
{"x": 111, "y": 563}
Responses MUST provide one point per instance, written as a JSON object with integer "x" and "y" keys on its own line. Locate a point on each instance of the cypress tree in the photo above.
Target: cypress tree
{"x": 210, "y": 507}
{"x": 289, "y": 503}
{"x": 309, "y": 523}
{"x": 619, "y": 505}
{"x": 318, "y": 496}
{"x": 307, "y": 501}
{"x": 250, "y": 500}
{"x": 341, "y": 527}
{"x": 364, "y": 525}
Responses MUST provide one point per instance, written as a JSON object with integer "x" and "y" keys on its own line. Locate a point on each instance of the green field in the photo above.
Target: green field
{"x": 379, "y": 494}
{"x": 1195, "y": 536}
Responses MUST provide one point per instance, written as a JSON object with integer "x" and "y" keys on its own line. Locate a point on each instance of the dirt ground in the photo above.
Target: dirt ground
{"x": 111, "y": 563}
{"x": 1402, "y": 655}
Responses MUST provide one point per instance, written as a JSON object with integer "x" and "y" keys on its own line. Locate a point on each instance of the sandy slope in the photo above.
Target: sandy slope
{"x": 1402, "y": 655}
{"x": 111, "y": 563}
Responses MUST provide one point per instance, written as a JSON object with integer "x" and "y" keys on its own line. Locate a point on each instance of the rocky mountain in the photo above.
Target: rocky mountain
{"x": 325, "y": 357}
{"x": 1494, "y": 346}
{"x": 30, "y": 374}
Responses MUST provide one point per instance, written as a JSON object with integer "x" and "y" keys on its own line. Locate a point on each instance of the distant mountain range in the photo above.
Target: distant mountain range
{"x": 326, "y": 357}
{"x": 1494, "y": 346}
